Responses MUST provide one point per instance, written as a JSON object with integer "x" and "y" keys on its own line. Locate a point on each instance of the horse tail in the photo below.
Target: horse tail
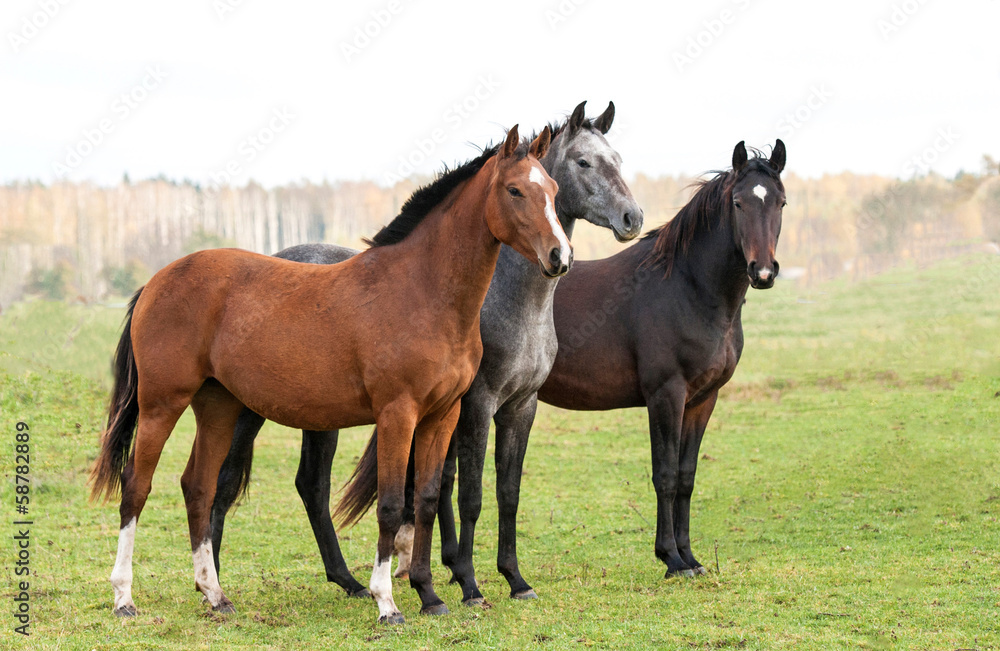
{"x": 123, "y": 413}
{"x": 362, "y": 488}
{"x": 243, "y": 491}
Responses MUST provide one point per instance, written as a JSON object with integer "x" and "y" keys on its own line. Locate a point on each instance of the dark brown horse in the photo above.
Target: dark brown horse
{"x": 658, "y": 325}
{"x": 390, "y": 337}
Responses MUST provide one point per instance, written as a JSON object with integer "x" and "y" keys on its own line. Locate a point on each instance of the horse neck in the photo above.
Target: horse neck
{"x": 455, "y": 253}
{"x": 716, "y": 269}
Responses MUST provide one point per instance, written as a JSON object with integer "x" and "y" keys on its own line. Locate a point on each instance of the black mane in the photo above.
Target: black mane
{"x": 425, "y": 198}
{"x": 703, "y": 211}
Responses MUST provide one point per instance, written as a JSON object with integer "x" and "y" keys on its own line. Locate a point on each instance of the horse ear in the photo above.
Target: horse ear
{"x": 739, "y": 156}
{"x": 510, "y": 144}
{"x": 603, "y": 123}
{"x": 778, "y": 156}
{"x": 576, "y": 120}
{"x": 541, "y": 143}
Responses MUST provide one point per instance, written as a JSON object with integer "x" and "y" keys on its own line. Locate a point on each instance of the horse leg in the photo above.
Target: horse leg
{"x": 472, "y": 436}
{"x": 395, "y": 435}
{"x": 514, "y": 422}
{"x": 216, "y": 412}
{"x": 227, "y": 489}
{"x": 313, "y": 484}
{"x": 430, "y": 447}
{"x": 695, "y": 422}
{"x": 402, "y": 546}
{"x": 666, "y": 411}
{"x": 446, "y": 512}
{"x": 155, "y": 424}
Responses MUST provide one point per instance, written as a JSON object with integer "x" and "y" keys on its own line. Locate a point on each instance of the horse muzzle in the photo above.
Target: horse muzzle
{"x": 762, "y": 277}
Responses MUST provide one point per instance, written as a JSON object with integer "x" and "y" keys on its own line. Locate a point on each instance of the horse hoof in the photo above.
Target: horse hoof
{"x": 359, "y": 594}
{"x": 688, "y": 573}
{"x": 700, "y": 570}
{"x": 126, "y": 611}
{"x": 404, "y": 575}
{"x": 395, "y": 618}
{"x": 524, "y": 594}
{"x": 436, "y": 609}
{"x": 225, "y": 608}
{"x": 474, "y": 601}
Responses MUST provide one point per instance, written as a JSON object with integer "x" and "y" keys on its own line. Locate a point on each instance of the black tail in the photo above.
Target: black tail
{"x": 116, "y": 443}
{"x": 239, "y": 461}
{"x": 362, "y": 488}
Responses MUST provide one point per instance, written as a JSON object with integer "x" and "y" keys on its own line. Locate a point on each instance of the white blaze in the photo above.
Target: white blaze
{"x": 205, "y": 576}
{"x": 121, "y": 575}
{"x": 381, "y": 587}
{"x": 535, "y": 175}
{"x": 550, "y": 214}
{"x": 760, "y": 191}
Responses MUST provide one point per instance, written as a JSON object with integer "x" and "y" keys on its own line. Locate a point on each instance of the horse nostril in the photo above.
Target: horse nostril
{"x": 555, "y": 257}
{"x": 752, "y": 269}
{"x": 627, "y": 221}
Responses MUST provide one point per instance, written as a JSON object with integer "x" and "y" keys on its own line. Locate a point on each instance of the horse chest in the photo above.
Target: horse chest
{"x": 718, "y": 364}
{"x": 517, "y": 357}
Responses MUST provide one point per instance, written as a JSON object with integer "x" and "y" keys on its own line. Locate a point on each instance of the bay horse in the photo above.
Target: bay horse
{"x": 667, "y": 334}
{"x": 389, "y": 337}
{"x": 519, "y": 348}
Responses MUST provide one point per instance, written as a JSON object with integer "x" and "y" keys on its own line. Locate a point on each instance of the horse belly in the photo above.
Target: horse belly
{"x": 334, "y": 401}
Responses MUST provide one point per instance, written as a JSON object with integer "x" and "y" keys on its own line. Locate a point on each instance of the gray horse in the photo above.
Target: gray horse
{"x": 519, "y": 349}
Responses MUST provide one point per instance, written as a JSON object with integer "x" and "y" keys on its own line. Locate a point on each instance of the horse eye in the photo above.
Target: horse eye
{"x": 784, "y": 203}
{"x": 583, "y": 163}
{"x": 738, "y": 204}
{"x": 514, "y": 192}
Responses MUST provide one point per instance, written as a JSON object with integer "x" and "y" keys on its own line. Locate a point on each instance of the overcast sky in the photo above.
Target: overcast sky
{"x": 281, "y": 91}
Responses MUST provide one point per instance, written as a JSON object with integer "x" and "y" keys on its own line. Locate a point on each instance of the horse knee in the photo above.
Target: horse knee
{"x": 419, "y": 576}
{"x": 390, "y": 512}
{"x": 425, "y": 508}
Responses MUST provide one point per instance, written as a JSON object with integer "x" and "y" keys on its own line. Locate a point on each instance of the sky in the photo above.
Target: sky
{"x": 226, "y": 91}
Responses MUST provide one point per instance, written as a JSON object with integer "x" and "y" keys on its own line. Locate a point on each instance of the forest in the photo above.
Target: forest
{"x": 87, "y": 243}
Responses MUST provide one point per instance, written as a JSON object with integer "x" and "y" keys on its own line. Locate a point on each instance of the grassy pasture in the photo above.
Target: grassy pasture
{"x": 848, "y": 497}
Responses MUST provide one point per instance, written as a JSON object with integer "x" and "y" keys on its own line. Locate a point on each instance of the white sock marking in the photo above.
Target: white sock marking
{"x": 536, "y": 175}
{"x": 550, "y": 214}
{"x": 381, "y": 587}
{"x": 121, "y": 575}
{"x": 205, "y": 576}
{"x": 404, "y": 549}
{"x": 760, "y": 191}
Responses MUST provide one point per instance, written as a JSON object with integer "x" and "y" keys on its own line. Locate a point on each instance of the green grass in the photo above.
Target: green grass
{"x": 850, "y": 478}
